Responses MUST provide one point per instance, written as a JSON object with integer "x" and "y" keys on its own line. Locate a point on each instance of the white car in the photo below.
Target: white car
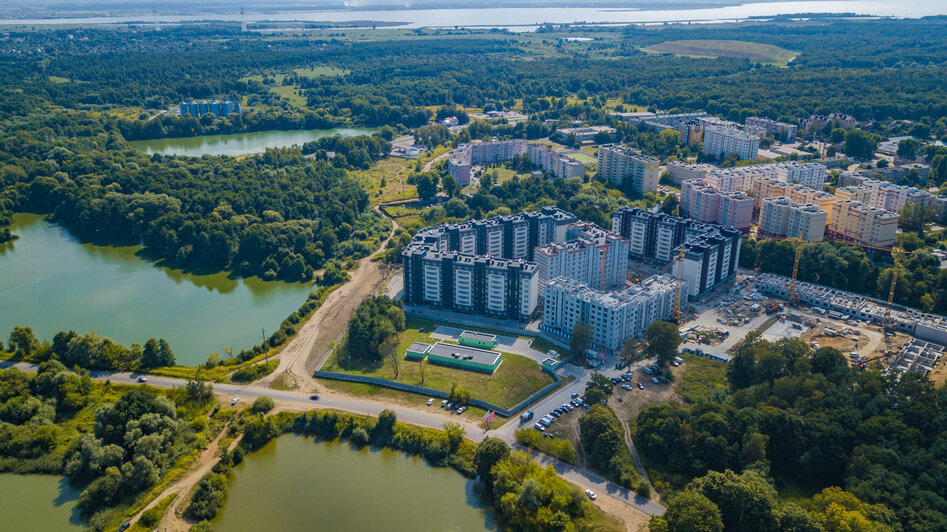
{"x": 430, "y": 402}
{"x": 591, "y": 494}
{"x": 235, "y": 401}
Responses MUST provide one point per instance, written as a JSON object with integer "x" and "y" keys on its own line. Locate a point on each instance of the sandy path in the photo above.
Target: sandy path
{"x": 173, "y": 518}
{"x": 300, "y": 357}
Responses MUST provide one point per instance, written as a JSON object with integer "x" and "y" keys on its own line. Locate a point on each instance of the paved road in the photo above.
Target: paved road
{"x": 432, "y": 419}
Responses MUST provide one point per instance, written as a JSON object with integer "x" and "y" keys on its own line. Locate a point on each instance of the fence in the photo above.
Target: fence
{"x": 439, "y": 394}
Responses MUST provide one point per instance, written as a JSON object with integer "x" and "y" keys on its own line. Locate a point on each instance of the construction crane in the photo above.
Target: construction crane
{"x": 678, "y": 315}
{"x": 795, "y": 269}
{"x": 864, "y": 363}
{"x": 896, "y": 257}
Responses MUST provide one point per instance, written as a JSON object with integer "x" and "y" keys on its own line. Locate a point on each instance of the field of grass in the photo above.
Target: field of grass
{"x": 583, "y": 158}
{"x": 320, "y": 71}
{"x": 516, "y": 379}
{"x": 383, "y": 180}
{"x": 761, "y": 53}
{"x": 701, "y": 377}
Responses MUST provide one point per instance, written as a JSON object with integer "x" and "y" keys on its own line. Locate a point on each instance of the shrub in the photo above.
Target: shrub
{"x": 150, "y": 518}
{"x": 359, "y": 436}
{"x": 262, "y": 405}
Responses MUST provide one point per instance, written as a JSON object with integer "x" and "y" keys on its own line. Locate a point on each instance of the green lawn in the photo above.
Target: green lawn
{"x": 583, "y": 158}
{"x": 515, "y": 379}
{"x": 762, "y": 53}
{"x": 319, "y": 71}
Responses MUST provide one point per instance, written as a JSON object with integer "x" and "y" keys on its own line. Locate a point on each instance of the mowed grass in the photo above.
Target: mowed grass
{"x": 761, "y": 53}
{"x": 516, "y": 379}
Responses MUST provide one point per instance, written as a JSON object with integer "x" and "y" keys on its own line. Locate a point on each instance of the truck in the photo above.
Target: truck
{"x": 772, "y": 308}
{"x": 526, "y": 416}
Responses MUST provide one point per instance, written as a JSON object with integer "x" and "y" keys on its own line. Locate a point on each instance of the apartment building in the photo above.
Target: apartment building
{"x": 721, "y": 141}
{"x": 704, "y": 202}
{"x": 202, "y": 107}
{"x": 493, "y": 152}
{"x": 588, "y": 254}
{"x": 862, "y": 224}
{"x": 818, "y": 122}
{"x": 773, "y": 185}
{"x": 553, "y": 162}
{"x": 811, "y": 175}
{"x": 736, "y": 211}
{"x": 460, "y": 170}
{"x": 710, "y": 251}
{"x": 628, "y": 168}
{"x": 781, "y": 131}
{"x": 780, "y": 217}
{"x": 614, "y": 317}
{"x": 678, "y": 171}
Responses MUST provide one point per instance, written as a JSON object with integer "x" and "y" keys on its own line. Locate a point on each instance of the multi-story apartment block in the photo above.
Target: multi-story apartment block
{"x": 590, "y": 255}
{"x": 780, "y": 217}
{"x": 704, "y": 202}
{"x": 721, "y": 141}
{"x": 553, "y": 162}
{"x": 781, "y": 131}
{"x": 678, "y": 171}
{"x": 613, "y": 316}
{"x": 492, "y": 152}
{"x": 710, "y": 251}
{"x": 460, "y": 170}
{"x": 811, "y": 175}
{"x": 862, "y": 224}
{"x": 818, "y": 122}
{"x": 482, "y": 266}
{"x": 627, "y": 167}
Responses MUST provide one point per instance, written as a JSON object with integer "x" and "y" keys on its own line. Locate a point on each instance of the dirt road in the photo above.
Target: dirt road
{"x": 299, "y": 359}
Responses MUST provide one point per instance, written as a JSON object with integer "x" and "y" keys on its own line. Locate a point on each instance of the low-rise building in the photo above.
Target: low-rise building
{"x": 585, "y": 135}
{"x": 781, "y": 131}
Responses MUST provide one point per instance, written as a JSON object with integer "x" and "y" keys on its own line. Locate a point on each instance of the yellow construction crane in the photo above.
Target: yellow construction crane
{"x": 795, "y": 269}
{"x": 896, "y": 257}
{"x": 680, "y": 284}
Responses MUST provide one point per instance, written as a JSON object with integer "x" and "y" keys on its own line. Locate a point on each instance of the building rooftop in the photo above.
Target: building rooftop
{"x": 462, "y": 352}
{"x": 475, "y": 335}
{"x": 419, "y": 347}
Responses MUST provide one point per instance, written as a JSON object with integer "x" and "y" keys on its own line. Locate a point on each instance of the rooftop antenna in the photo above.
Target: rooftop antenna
{"x": 154, "y": 12}
{"x": 243, "y": 20}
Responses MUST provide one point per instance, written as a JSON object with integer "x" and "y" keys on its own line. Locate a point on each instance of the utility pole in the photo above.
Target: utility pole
{"x": 266, "y": 351}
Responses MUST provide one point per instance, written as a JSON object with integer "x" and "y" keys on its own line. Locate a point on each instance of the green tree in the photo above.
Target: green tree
{"x": 690, "y": 512}
{"x": 663, "y": 340}
{"x": 450, "y": 186}
{"x": 262, "y": 405}
{"x": 22, "y": 341}
{"x": 907, "y": 148}
{"x": 489, "y": 453}
{"x": 581, "y": 338}
{"x": 597, "y": 389}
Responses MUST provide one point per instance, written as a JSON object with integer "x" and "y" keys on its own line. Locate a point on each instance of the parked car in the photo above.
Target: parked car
{"x": 142, "y": 379}
{"x": 554, "y": 413}
{"x": 655, "y": 380}
{"x": 314, "y": 397}
{"x": 461, "y": 410}
{"x": 626, "y": 387}
{"x": 430, "y": 402}
{"x": 575, "y": 395}
{"x": 576, "y": 402}
{"x": 443, "y": 403}
{"x": 539, "y": 427}
{"x": 526, "y": 416}
{"x": 591, "y": 494}
{"x": 649, "y": 371}
{"x": 640, "y": 386}
{"x": 450, "y": 406}
{"x": 235, "y": 401}
{"x": 549, "y": 435}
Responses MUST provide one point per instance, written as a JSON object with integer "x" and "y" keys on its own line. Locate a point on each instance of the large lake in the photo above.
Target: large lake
{"x": 511, "y": 17}
{"x": 240, "y": 143}
{"x": 30, "y": 503}
{"x": 51, "y": 281}
{"x": 295, "y": 483}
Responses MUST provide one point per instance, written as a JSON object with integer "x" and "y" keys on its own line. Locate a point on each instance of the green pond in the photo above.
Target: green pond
{"x": 37, "y": 502}
{"x": 240, "y": 143}
{"x": 296, "y": 483}
{"x": 51, "y": 281}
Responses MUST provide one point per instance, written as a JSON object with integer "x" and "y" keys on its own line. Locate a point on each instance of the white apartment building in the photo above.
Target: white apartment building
{"x": 780, "y": 217}
{"x": 862, "y": 224}
{"x": 492, "y": 152}
{"x": 678, "y": 171}
{"x": 614, "y": 317}
{"x": 588, "y": 253}
{"x": 736, "y": 211}
{"x": 628, "y": 168}
{"x": 721, "y": 141}
{"x": 811, "y": 175}
{"x": 553, "y": 162}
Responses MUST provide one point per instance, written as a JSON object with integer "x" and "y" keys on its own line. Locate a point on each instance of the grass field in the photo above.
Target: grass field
{"x": 383, "y": 180}
{"x": 516, "y": 379}
{"x": 761, "y": 53}
{"x": 583, "y": 158}
{"x": 320, "y": 71}
{"x": 701, "y": 377}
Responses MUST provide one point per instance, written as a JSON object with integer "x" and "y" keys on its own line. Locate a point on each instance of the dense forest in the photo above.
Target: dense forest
{"x": 797, "y": 417}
